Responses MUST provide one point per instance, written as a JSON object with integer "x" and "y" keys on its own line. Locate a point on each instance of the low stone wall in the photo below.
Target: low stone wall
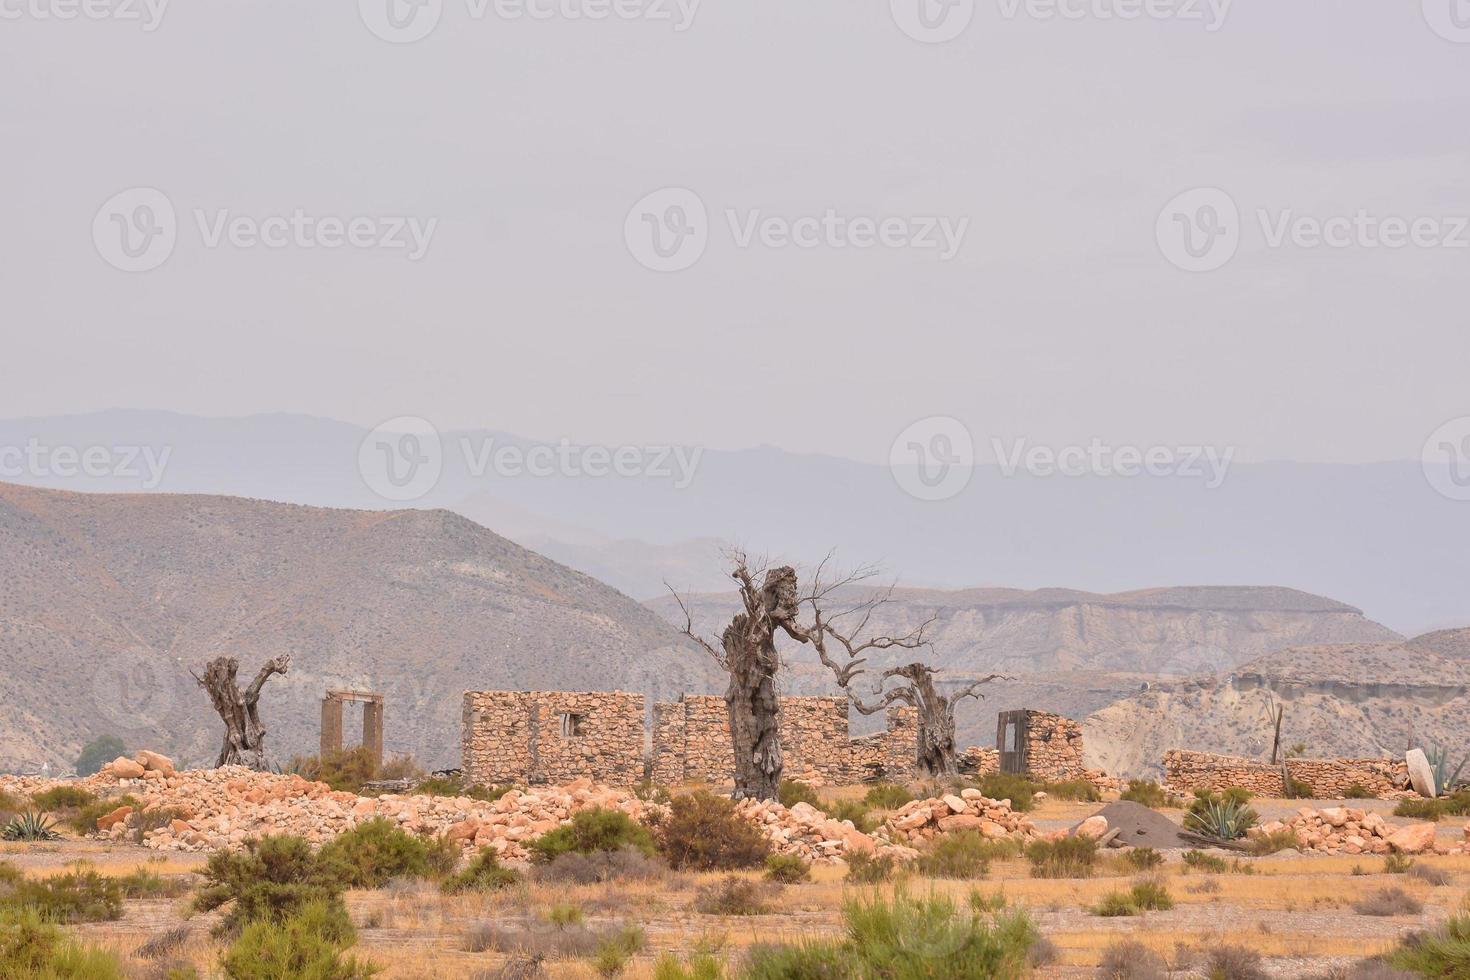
{"x": 1329, "y": 778}
{"x": 691, "y": 741}
{"x": 980, "y": 761}
{"x": 1053, "y": 747}
{"x": 552, "y": 736}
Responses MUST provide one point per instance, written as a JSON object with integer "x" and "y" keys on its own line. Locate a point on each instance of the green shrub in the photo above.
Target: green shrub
{"x": 702, "y": 966}
{"x": 98, "y": 753}
{"x": 590, "y": 831}
{"x": 1151, "y": 895}
{"x": 1442, "y": 952}
{"x": 1397, "y": 864}
{"x": 905, "y": 937}
{"x": 10, "y": 874}
{"x": 1146, "y": 792}
{"x": 1208, "y": 863}
{"x": 794, "y": 791}
{"x": 603, "y": 866}
{"x": 1143, "y": 858}
{"x": 80, "y": 895}
{"x": 1225, "y": 815}
{"x": 1008, "y": 786}
{"x": 1114, "y": 904}
{"x": 84, "y": 821}
{"x": 615, "y": 950}
{"x": 1357, "y": 791}
{"x": 702, "y": 832}
{"x": 887, "y": 796}
{"x": 271, "y": 880}
{"x": 63, "y": 797}
{"x": 310, "y": 943}
{"x": 1279, "y": 840}
{"x": 734, "y": 896}
{"x": 373, "y": 852}
{"x": 33, "y": 948}
{"x": 344, "y": 771}
{"x": 1068, "y": 857}
{"x": 1297, "y": 789}
{"x": 963, "y": 855}
{"x": 854, "y": 810}
{"x": 870, "y": 869}
{"x": 31, "y": 827}
{"x": 484, "y": 873}
{"x": 455, "y": 786}
{"x": 144, "y": 883}
{"x": 1073, "y": 789}
{"x": 787, "y": 869}
{"x": 9, "y": 805}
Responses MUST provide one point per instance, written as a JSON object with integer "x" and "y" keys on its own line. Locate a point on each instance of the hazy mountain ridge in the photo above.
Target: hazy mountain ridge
{"x": 109, "y": 600}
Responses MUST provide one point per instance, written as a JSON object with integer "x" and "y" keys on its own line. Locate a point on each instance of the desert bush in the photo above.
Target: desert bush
{"x": 1208, "y": 886}
{"x": 1073, "y": 789}
{"x": 1142, "y": 858}
{"x": 887, "y": 796}
{"x": 441, "y": 856}
{"x": 30, "y": 827}
{"x": 1151, "y": 895}
{"x": 1008, "y": 786}
{"x": 1388, "y": 901}
{"x": 143, "y": 883}
{"x": 1114, "y": 904}
{"x": 1278, "y": 840}
{"x": 344, "y": 771}
{"x": 592, "y": 830}
{"x": 1429, "y": 875}
{"x": 80, "y": 895}
{"x": 145, "y": 819}
{"x": 400, "y": 766}
{"x": 84, "y": 821}
{"x": 626, "y": 863}
{"x": 903, "y": 937}
{"x": 870, "y": 869}
{"x": 455, "y": 786}
{"x": 701, "y": 966}
{"x": 10, "y": 805}
{"x": 9, "y": 874}
{"x": 1131, "y": 960}
{"x": 735, "y": 896}
{"x": 483, "y": 873}
{"x": 1069, "y": 857}
{"x": 616, "y": 949}
{"x": 787, "y": 869}
{"x": 542, "y": 940}
{"x": 1397, "y": 864}
{"x": 1233, "y": 963}
{"x": 703, "y": 832}
{"x": 1297, "y": 789}
{"x": 1357, "y": 791}
{"x": 1441, "y": 952}
{"x": 1147, "y": 792}
{"x": 1225, "y": 815}
{"x": 31, "y": 946}
{"x": 98, "y": 753}
{"x": 310, "y": 943}
{"x": 965, "y": 854}
{"x": 373, "y": 852}
{"x": 272, "y": 879}
{"x": 165, "y": 943}
{"x": 794, "y": 791}
{"x": 63, "y": 797}
{"x": 1208, "y": 863}
{"x": 854, "y": 810}
{"x": 1455, "y": 804}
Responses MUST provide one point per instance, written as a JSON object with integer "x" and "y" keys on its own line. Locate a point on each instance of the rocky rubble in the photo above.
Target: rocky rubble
{"x": 808, "y": 833}
{"x": 1346, "y": 830}
{"x": 969, "y": 810}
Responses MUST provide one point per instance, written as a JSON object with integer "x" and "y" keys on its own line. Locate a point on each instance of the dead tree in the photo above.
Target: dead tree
{"x": 244, "y": 734}
{"x": 747, "y": 652}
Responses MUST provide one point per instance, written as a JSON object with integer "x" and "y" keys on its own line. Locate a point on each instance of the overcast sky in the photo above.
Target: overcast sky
{"x": 518, "y": 148}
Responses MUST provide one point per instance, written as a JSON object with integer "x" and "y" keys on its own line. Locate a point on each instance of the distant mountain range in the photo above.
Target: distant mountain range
{"x": 1375, "y": 536}
{"x": 108, "y": 602}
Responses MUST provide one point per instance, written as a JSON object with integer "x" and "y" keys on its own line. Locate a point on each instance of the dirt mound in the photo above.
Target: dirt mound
{"x": 1138, "y": 826}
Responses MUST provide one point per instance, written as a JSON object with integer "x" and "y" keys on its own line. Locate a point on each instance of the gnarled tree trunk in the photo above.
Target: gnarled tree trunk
{"x": 244, "y": 734}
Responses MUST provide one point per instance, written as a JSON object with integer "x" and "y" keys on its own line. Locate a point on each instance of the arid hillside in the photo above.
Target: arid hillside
{"x": 1362, "y": 699}
{"x": 1075, "y": 652}
{"x": 107, "y": 602}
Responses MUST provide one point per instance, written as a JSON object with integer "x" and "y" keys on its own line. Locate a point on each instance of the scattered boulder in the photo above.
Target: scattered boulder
{"x": 124, "y": 768}
{"x": 1421, "y": 776}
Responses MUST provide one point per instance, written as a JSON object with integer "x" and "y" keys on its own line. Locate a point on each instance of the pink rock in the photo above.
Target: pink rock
{"x": 1093, "y": 827}
{"x": 124, "y": 768}
{"x": 1412, "y": 839}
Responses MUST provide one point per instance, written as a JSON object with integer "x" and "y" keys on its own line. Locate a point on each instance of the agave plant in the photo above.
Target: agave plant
{"x": 1227, "y": 818}
{"x": 29, "y": 826}
{"x": 1445, "y": 779}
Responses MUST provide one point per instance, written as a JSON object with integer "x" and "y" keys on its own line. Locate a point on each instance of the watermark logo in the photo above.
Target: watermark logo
{"x": 1208, "y": 463}
{"x": 148, "y": 13}
{"x": 677, "y": 464}
{"x": 134, "y": 689}
{"x": 401, "y": 21}
{"x": 1363, "y": 229}
{"x": 402, "y": 459}
{"x": 668, "y": 230}
{"x": 933, "y": 459}
{"x": 1210, "y": 13}
{"x": 1450, "y": 19}
{"x": 44, "y": 461}
{"x": 1446, "y": 459}
{"x": 136, "y": 230}
{"x": 1199, "y": 231}
{"x": 932, "y": 21}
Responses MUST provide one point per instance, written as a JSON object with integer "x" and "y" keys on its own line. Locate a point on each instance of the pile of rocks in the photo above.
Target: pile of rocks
{"x": 969, "y": 810}
{"x": 808, "y": 833}
{"x": 1346, "y": 830}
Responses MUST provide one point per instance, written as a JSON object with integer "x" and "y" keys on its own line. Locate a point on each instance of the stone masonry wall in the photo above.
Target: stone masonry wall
{"x": 691, "y": 741}
{"x": 552, "y": 736}
{"x": 1186, "y": 771}
{"x": 1053, "y": 747}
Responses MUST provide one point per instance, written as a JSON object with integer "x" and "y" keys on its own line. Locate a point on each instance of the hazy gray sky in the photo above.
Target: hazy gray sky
{"x": 526, "y": 142}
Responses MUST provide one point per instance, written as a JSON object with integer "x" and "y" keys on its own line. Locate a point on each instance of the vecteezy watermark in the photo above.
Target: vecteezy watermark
{"x": 933, "y": 459}
{"x": 407, "y": 21}
{"x": 1201, "y": 230}
{"x": 138, "y": 229}
{"x": 1450, "y": 19}
{"x": 1097, "y": 458}
{"x": 134, "y": 689}
{"x": 1446, "y": 459}
{"x": 146, "y": 13}
{"x": 403, "y": 459}
{"x": 932, "y": 21}
{"x": 669, "y": 230}
{"x": 1209, "y": 13}
{"x": 44, "y": 461}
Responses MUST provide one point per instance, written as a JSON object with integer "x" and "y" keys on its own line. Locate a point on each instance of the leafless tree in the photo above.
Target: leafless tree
{"x": 244, "y": 734}
{"x": 773, "y": 603}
